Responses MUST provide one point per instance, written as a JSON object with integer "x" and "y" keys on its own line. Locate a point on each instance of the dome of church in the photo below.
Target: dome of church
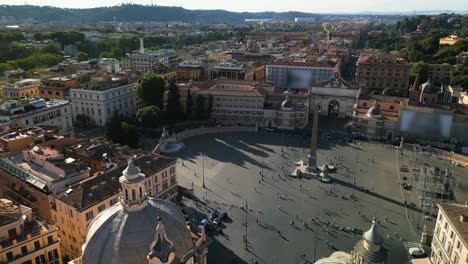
{"x": 138, "y": 228}
{"x": 119, "y": 236}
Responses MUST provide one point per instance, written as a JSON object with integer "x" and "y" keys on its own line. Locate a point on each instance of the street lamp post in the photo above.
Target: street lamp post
{"x": 246, "y": 211}
{"x": 203, "y": 170}
{"x": 316, "y": 239}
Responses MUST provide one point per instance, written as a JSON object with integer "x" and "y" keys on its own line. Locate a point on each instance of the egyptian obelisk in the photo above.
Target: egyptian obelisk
{"x": 313, "y": 141}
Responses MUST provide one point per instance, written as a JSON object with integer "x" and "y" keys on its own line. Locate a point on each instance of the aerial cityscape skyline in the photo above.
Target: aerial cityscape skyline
{"x": 150, "y": 134}
{"x": 338, "y": 6}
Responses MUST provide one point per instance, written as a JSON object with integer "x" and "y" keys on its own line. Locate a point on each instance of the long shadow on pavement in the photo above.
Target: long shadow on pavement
{"x": 349, "y": 185}
{"x": 218, "y": 253}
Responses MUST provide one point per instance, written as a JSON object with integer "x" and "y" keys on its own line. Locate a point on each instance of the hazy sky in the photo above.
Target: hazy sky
{"x": 269, "y": 5}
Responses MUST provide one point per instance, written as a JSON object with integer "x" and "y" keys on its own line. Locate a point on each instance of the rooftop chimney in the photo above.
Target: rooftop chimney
{"x": 142, "y": 47}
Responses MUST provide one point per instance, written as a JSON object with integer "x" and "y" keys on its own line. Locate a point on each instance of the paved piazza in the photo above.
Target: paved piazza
{"x": 281, "y": 210}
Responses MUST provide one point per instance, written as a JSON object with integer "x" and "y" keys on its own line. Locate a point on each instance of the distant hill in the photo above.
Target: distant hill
{"x": 132, "y": 12}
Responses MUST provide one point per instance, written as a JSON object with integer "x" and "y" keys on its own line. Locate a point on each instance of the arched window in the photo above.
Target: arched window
{"x": 141, "y": 193}
{"x": 133, "y": 195}
{"x": 126, "y": 195}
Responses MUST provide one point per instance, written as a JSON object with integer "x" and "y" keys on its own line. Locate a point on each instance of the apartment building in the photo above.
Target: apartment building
{"x": 23, "y": 88}
{"x": 32, "y": 176}
{"x": 232, "y": 70}
{"x": 297, "y": 75}
{"x": 148, "y": 60}
{"x": 25, "y": 239}
{"x": 190, "y": 70}
{"x": 36, "y": 112}
{"x": 440, "y": 72}
{"x": 378, "y": 116}
{"x": 254, "y": 103}
{"x": 96, "y": 102}
{"x": 98, "y": 152}
{"x": 57, "y": 87}
{"x": 21, "y": 139}
{"x": 109, "y": 65}
{"x": 377, "y": 71}
{"x": 76, "y": 207}
{"x": 450, "y": 239}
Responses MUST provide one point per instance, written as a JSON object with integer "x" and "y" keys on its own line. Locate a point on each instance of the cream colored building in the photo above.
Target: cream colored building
{"x": 75, "y": 208}
{"x": 25, "y": 240}
{"x": 450, "y": 240}
{"x": 254, "y": 103}
{"x": 36, "y": 112}
{"x": 23, "y": 88}
{"x": 98, "y": 102}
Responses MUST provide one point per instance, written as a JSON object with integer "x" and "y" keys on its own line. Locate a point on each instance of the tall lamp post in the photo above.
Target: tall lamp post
{"x": 203, "y": 170}
{"x": 246, "y": 212}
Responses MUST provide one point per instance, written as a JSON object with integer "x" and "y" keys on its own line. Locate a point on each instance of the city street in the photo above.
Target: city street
{"x": 283, "y": 212}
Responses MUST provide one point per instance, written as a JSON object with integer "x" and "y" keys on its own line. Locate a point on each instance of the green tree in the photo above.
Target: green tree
{"x": 5, "y": 67}
{"x": 114, "y": 128}
{"x": 210, "y": 105}
{"x": 151, "y": 89}
{"x": 188, "y": 105}
{"x": 52, "y": 49}
{"x": 116, "y": 52}
{"x": 173, "y": 111}
{"x": 129, "y": 134}
{"x": 37, "y": 60}
{"x": 80, "y": 56}
{"x": 67, "y": 37}
{"x": 419, "y": 68}
{"x": 200, "y": 109}
{"x": 391, "y": 92}
{"x": 105, "y": 54}
{"x": 459, "y": 76}
{"x": 149, "y": 117}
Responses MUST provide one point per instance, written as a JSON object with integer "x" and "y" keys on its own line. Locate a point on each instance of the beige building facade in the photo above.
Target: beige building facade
{"x": 23, "y": 88}
{"x": 75, "y": 208}
{"x": 449, "y": 243}
{"x": 25, "y": 240}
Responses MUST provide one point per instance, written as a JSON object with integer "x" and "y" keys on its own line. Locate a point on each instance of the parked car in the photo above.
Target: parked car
{"x": 202, "y": 224}
{"x": 214, "y": 215}
{"x": 417, "y": 252}
{"x": 216, "y": 221}
{"x": 223, "y": 216}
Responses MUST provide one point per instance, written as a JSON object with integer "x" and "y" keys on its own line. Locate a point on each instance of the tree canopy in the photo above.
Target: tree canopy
{"x": 122, "y": 132}
{"x": 419, "y": 68}
{"x": 391, "y": 92}
{"x": 151, "y": 89}
{"x": 80, "y": 56}
{"x": 173, "y": 111}
{"x": 459, "y": 76}
{"x": 149, "y": 117}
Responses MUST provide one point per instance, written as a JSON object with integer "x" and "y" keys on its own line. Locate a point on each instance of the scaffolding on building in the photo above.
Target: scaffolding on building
{"x": 434, "y": 184}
